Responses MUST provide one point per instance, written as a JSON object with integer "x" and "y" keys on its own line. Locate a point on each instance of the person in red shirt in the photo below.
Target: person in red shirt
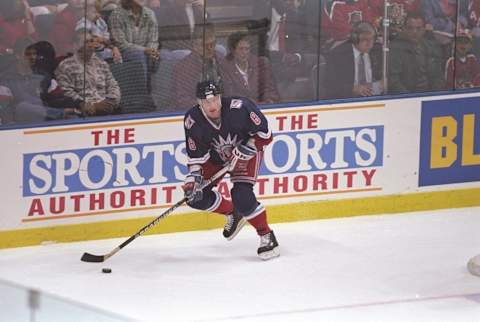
{"x": 342, "y": 15}
{"x": 463, "y": 69}
{"x": 16, "y": 22}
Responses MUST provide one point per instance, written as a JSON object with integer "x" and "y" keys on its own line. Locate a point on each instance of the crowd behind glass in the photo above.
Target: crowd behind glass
{"x": 68, "y": 59}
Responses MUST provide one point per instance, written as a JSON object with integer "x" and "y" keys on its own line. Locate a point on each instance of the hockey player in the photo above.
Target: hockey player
{"x": 229, "y": 131}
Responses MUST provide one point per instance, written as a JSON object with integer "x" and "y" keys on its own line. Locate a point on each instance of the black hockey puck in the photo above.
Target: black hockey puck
{"x": 106, "y": 270}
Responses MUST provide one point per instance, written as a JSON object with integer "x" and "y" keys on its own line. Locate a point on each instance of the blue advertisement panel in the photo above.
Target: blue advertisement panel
{"x": 450, "y": 141}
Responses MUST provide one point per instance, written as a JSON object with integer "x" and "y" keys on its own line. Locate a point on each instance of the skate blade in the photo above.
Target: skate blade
{"x": 240, "y": 225}
{"x": 270, "y": 254}
{"x": 473, "y": 267}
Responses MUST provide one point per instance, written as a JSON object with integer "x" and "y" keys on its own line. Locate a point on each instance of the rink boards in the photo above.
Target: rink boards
{"x": 106, "y": 179}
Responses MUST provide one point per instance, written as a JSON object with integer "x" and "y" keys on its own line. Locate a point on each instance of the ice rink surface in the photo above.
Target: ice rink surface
{"x": 407, "y": 267}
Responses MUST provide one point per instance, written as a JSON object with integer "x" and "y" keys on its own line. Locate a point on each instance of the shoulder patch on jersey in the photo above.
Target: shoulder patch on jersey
{"x": 189, "y": 121}
{"x": 191, "y": 144}
{"x": 236, "y": 103}
{"x": 255, "y": 119}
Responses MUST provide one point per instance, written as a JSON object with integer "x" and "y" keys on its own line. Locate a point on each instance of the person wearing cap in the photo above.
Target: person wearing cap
{"x": 93, "y": 21}
{"x": 463, "y": 69}
{"x": 228, "y": 131}
{"x": 87, "y": 79}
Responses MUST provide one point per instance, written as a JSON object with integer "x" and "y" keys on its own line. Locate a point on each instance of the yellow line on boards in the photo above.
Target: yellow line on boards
{"x": 325, "y": 209}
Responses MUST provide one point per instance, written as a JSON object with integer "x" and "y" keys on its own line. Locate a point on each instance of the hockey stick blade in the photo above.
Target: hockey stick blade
{"x": 90, "y": 258}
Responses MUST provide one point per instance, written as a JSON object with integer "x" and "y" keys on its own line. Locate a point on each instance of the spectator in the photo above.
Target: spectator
{"x": 134, "y": 30}
{"x": 6, "y": 102}
{"x": 46, "y": 61}
{"x": 36, "y": 96}
{"x": 342, "y": 15}
{"x": 6, "y": 96}
{"x": 286, "y": 38}
{"x": 16, "y": 22}
{"x": 45, "y": 64}
{"x": 354, "y": 67}
{"x": 416, "y": 62}
{"x": 99, "y": 29}
{"x": 65, "y": 23}
{"x": 473, "y": 23}
{"x": 397, "y": 12}
{"x": 94, "y": 91}
{"x": 202, "y": 63}
{"x": 441, "y": 14}
{"x": 245, "y": 74}
{"x": 177, "y": 21}
{"x": 463, "y": 69}
{"x": 473, "y": 14}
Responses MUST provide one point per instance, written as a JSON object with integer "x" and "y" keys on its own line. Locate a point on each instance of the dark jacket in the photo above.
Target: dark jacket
{"x": 340, "y": 69}
{"x": 413, "y": 69}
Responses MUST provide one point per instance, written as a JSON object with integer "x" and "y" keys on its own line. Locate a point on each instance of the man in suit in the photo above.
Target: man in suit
{"x": 354, "y": 67}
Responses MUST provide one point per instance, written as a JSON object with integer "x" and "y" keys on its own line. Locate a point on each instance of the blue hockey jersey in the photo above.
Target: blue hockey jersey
{"x": 240, "y": 120}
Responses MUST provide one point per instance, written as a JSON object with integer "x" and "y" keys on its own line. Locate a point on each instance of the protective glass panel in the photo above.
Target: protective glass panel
{"x": 19, "y": 304}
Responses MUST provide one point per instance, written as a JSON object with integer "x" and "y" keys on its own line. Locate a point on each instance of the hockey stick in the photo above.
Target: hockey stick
{"x": 90, "y": 258}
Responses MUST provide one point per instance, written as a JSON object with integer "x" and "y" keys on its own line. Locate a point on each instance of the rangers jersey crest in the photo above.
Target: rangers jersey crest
{"x": 224, "y": 147}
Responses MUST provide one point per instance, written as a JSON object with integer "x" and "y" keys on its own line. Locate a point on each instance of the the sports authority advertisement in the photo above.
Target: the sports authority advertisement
{"x": 115, "y": 170}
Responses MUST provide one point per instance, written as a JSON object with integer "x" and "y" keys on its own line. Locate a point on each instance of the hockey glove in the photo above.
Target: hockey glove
{"x": 241, "y": 154}
{"x": 193, "y": 187}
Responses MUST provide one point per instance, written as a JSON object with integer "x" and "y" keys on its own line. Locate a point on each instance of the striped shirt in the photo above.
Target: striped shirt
{"x": 126, "y": 34}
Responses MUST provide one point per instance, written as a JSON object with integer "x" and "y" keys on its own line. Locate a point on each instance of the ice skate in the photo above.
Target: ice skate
{"x": 268, "y": 246}
{"x": 235, "y": 223}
